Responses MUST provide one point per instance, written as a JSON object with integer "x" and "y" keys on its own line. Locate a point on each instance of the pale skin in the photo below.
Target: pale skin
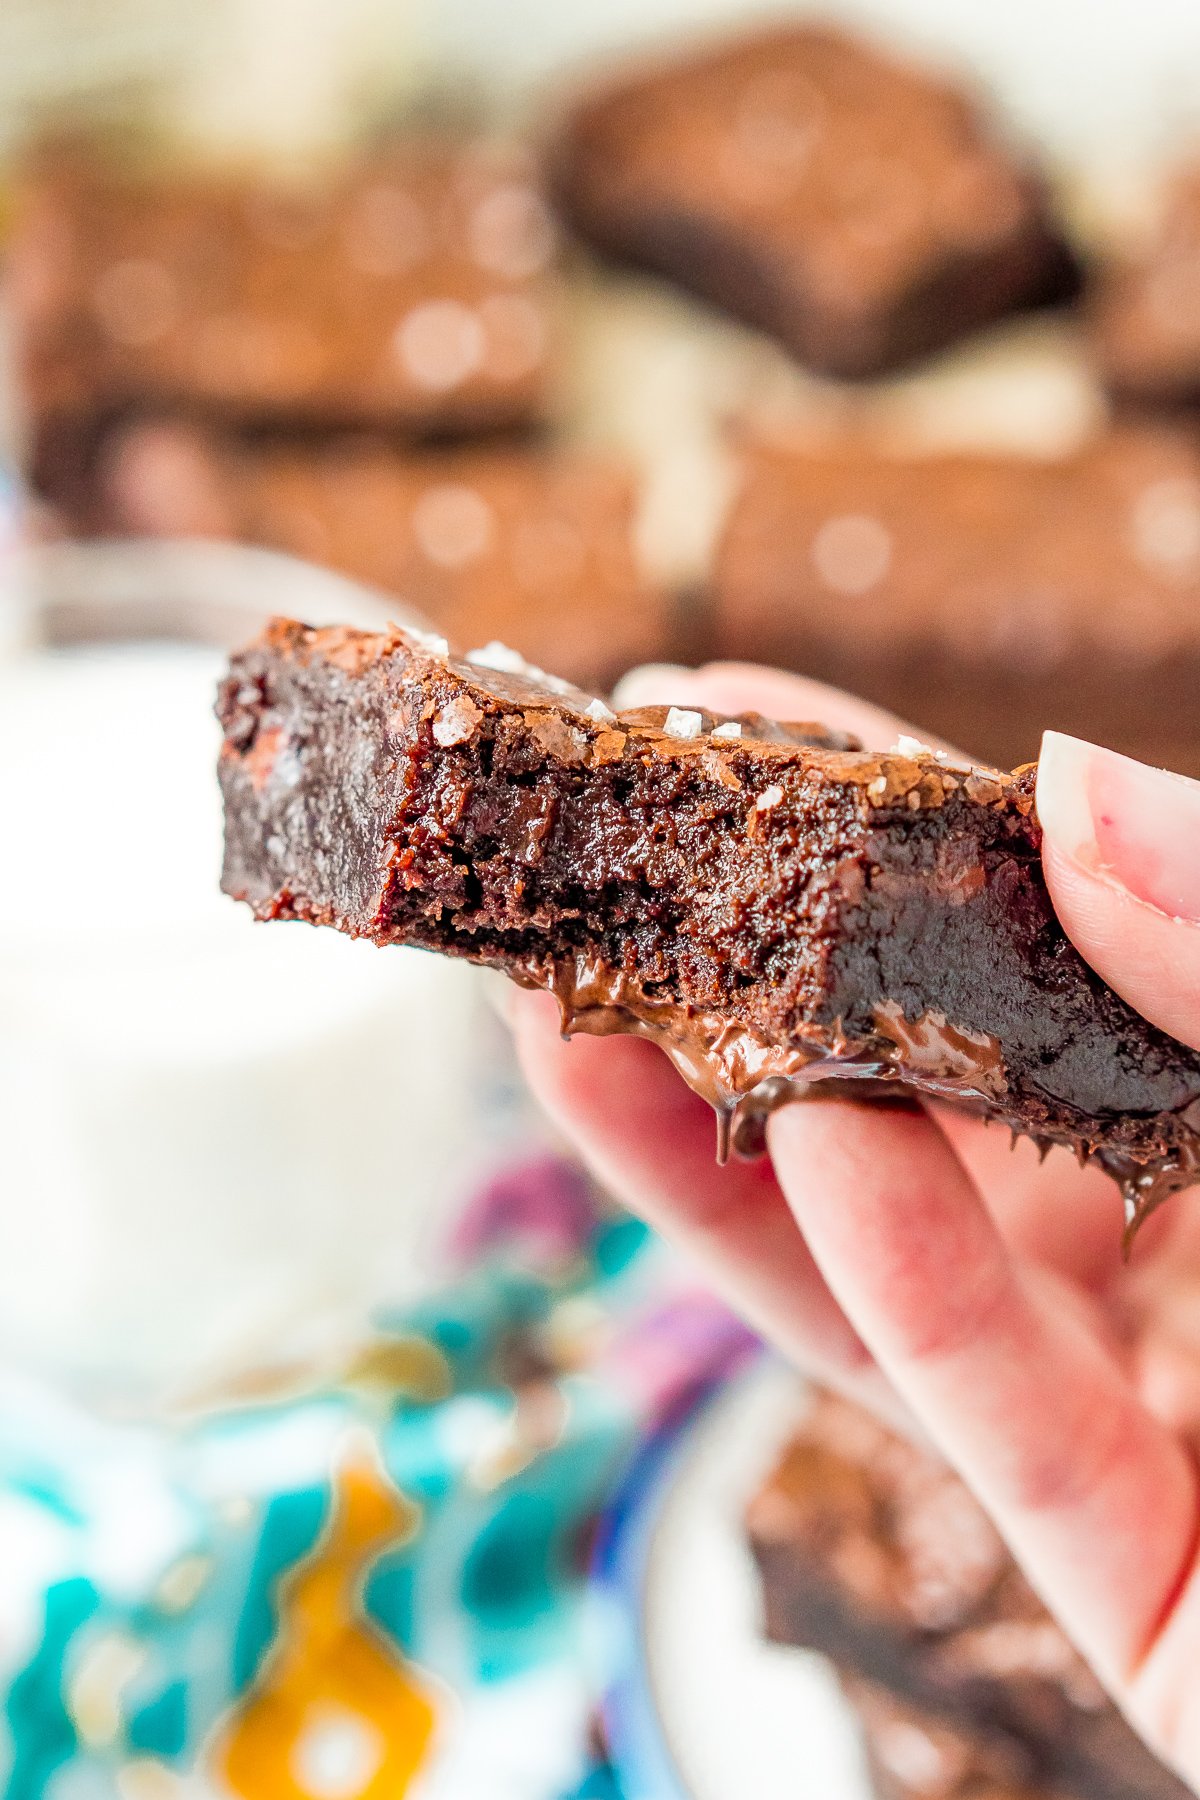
{"x": 916, "y": 1260}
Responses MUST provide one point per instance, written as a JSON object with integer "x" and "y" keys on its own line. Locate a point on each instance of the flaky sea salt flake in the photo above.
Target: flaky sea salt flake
{"x": 682, "y": 723}
{"x": 496, "y": 655}
{"x": 431, "y": 641}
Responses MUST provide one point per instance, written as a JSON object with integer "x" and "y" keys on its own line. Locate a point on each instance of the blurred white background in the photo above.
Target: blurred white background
{"x": 1114, "y": 82}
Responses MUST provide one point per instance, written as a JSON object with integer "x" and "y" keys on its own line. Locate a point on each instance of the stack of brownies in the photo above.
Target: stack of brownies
{"x": 370, "y": 371}
{"x": 864, "y": 213}
{"x": 356, "y": 372}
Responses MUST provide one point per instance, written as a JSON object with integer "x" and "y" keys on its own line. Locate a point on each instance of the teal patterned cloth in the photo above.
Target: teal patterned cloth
{"x": 374, "y": 1587}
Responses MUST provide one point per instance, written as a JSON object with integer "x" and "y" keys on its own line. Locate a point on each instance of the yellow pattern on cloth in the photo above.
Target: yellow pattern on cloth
{"x": 336, "y": 1713}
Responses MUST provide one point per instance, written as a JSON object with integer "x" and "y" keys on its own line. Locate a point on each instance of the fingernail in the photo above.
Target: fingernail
{"x": 1124, "y": 821}
{"x": 654, "y": 684}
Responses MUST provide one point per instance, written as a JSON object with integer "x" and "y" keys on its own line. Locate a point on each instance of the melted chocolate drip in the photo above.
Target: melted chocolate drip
{"x": 1144, "y": 1187}
{"x": 745, "y": 1080}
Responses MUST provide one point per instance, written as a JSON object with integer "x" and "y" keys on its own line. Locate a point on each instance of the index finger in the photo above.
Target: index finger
{"x": 649, "y": 1139}
{"x": 1096, "y": 1498}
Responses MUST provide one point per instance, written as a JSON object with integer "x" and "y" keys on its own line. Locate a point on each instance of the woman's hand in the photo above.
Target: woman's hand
{"x": 918, "y": 1261}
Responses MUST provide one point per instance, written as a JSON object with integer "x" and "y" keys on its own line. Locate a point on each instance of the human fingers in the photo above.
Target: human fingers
{"x": 1001, "y": 1369}
{"x": 1160, "y": 1318}
{"x": 1121, "y": 851}
{"x": 650, "y": 1141}
{"x": 1061, "y": 1216}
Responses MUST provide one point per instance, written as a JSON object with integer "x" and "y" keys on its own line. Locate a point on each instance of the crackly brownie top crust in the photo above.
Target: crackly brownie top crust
{"x": 841, "y": 176}
{"x": 771, "y": 906}
{"x": 413, "y": 289}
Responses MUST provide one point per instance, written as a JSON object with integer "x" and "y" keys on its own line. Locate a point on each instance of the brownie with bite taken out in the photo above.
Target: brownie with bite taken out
{"x": 775, "y": 907}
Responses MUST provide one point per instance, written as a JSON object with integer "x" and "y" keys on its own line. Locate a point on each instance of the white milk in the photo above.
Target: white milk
{"x": 220, "y": 1143}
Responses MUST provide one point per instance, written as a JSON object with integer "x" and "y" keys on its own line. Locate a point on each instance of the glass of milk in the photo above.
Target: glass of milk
{"x": 221, "y": 1145}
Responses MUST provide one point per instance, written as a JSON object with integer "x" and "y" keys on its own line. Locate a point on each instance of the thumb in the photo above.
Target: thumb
{"x": 1121, "y": 851}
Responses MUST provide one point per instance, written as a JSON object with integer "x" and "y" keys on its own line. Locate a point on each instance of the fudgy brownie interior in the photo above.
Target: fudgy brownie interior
{"x": 772, "y": 906}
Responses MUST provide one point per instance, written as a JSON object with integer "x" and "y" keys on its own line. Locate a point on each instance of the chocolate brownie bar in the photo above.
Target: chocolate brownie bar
{"x": 988, "y": 596}
{"x": 1145, "y": 310}
{"x": 413, "y": 290}
{"x": 771, "y": 907}
{"x": 858, "y": 208}
{"x": 873, "y": 1552}
{"x": 534, "y": 547}
{"x": 914, "y": 1755}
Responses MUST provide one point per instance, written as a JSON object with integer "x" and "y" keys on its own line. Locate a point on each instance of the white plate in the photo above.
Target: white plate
{"x": 707, "y": 1710}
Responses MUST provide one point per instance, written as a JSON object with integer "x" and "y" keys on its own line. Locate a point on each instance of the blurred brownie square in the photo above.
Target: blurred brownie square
{"x": 536, "y": 548}
{"x": 873, "y": 1552}
{"x": 412, "y": 291}
{"x": 986, "y": 597}
{"x": 1145, "y": 312}
{"x": 913, "y": 1755}
{"x": 861, "y": 209}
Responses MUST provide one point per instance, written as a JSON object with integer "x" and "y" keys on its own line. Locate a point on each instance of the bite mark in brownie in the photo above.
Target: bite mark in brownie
{"x": 775, "y": 908}
{"x": 857, "y": 207}
{"x": 873, "y": 1552}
